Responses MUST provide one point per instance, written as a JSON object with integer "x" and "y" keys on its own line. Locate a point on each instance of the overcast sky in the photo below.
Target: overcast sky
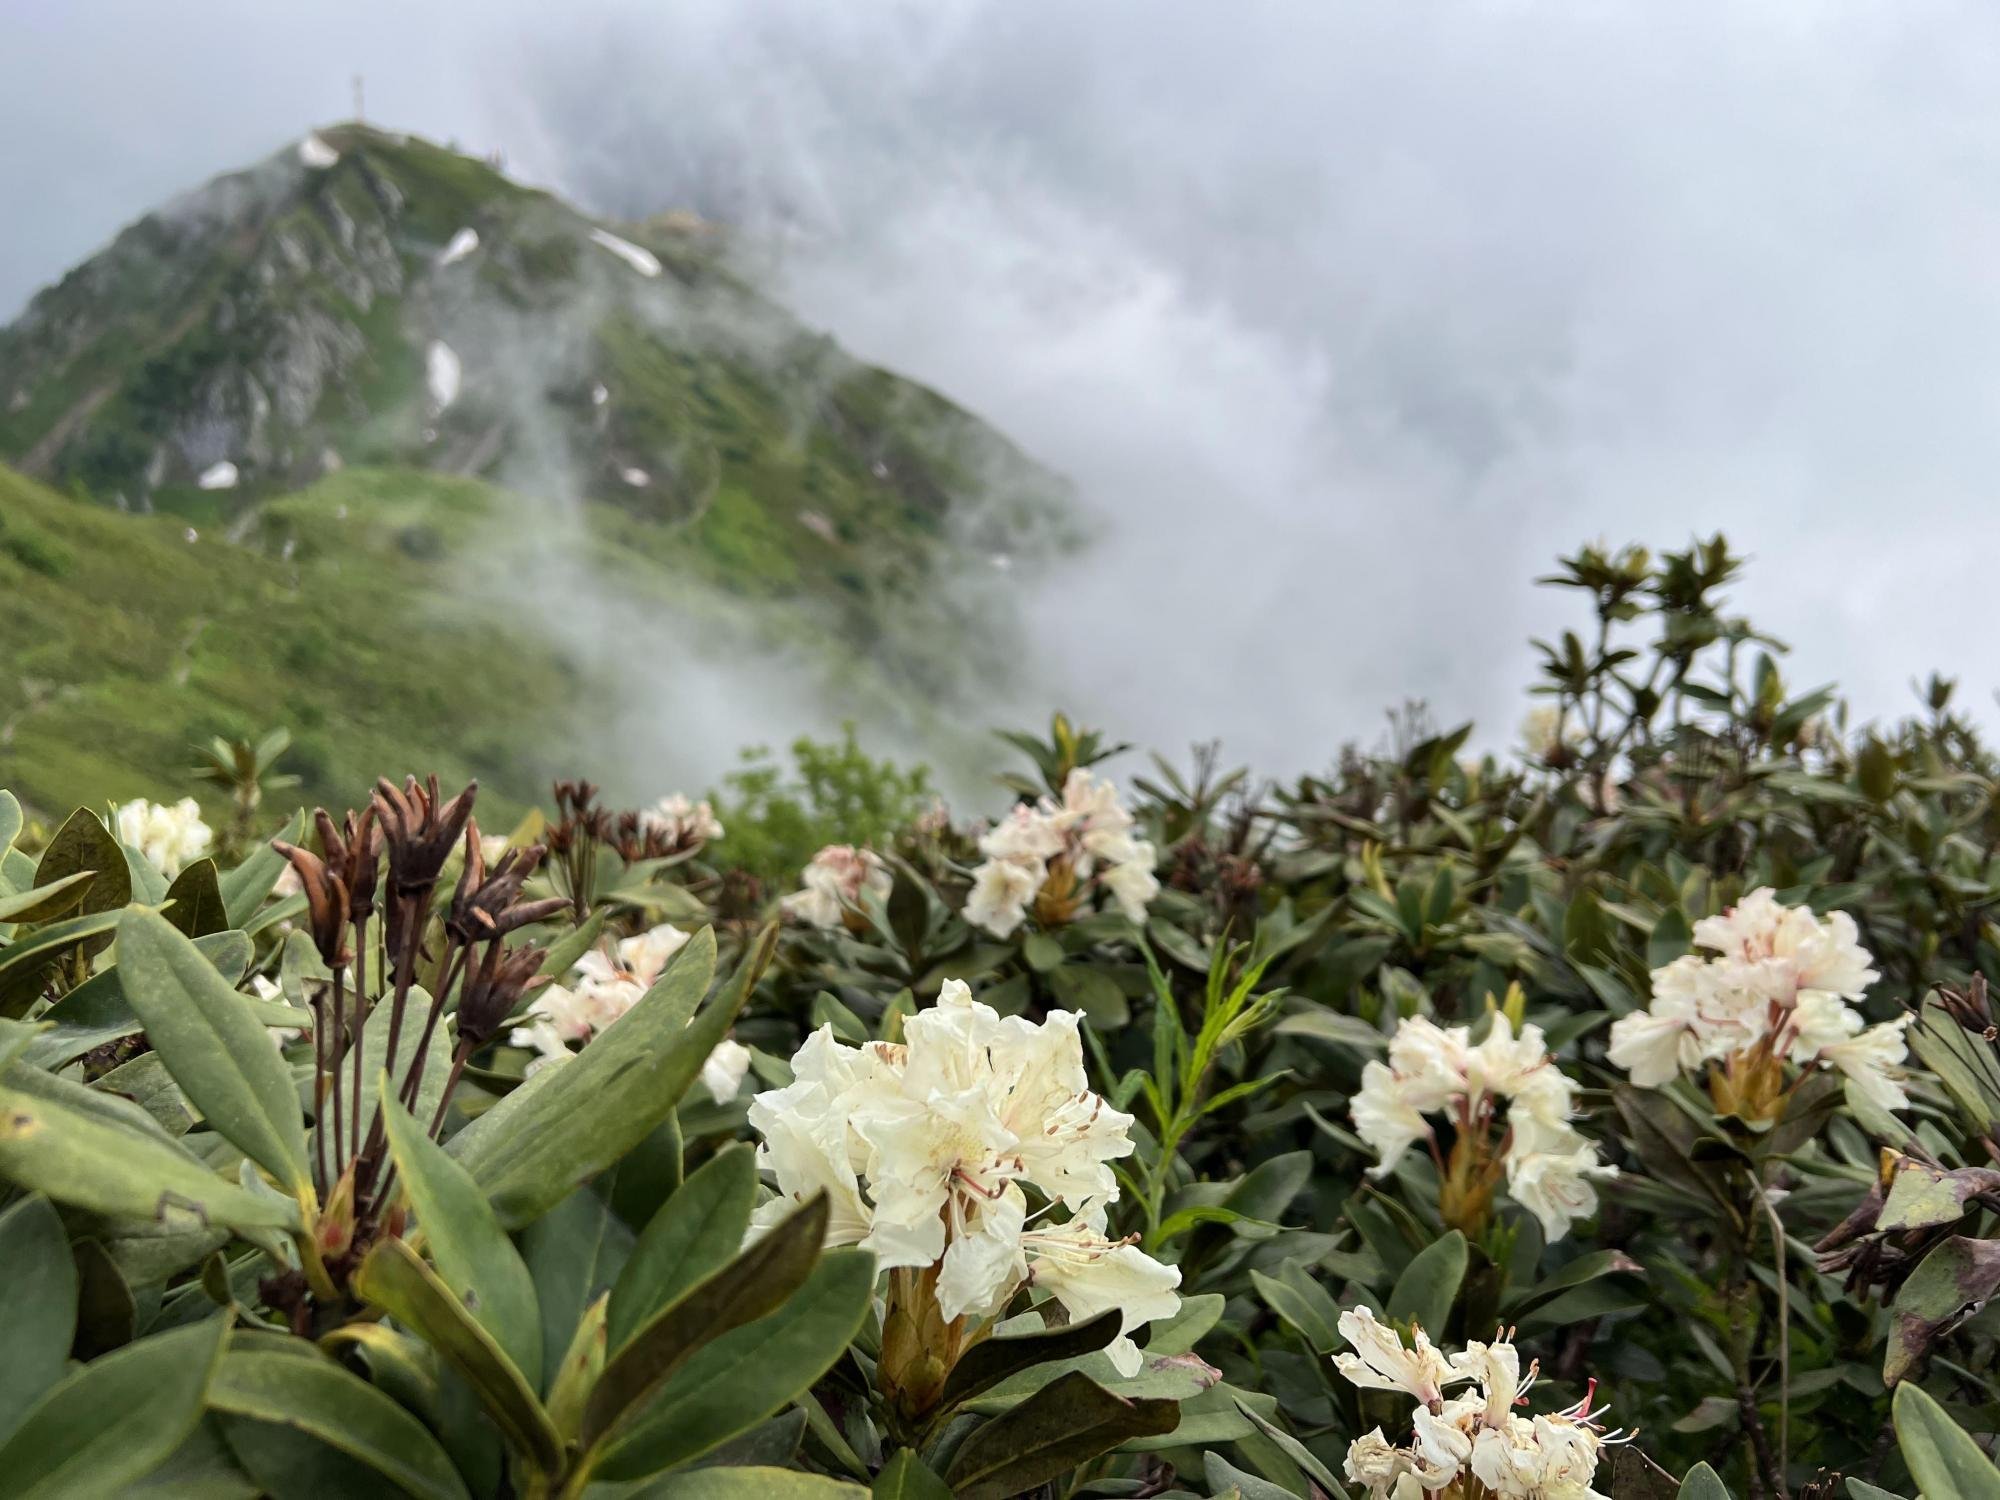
{"x": 1346, "y": 318}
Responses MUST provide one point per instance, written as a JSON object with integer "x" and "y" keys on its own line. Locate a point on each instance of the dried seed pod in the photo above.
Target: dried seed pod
{"x": 326, "y": 902}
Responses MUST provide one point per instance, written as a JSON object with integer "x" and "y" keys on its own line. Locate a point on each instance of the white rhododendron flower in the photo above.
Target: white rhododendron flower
{"x": 266, "y": 988}
{"x": 604, "y": 984}
{"x": 1478, "y": 1434}
{"x": 833, "y": 884}
{"x": 1775, "y": 986}
{"x": 1546, "y": 732}
{"x": 1434, "y": 1069}
{"x": 929, "y": 1149}
{"x": 723, "y": 1071}
{"x": 1062, "y": 849}
{"x": 682, "y": 822}
{"x": 171, "y": 837}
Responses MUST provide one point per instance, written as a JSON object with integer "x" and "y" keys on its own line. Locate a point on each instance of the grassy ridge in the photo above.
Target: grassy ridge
{"x": 127, "y": 642}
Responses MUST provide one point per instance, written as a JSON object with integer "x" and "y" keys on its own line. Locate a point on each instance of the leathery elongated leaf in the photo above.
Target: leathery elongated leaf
{"x": 472, "y": 1253}
{"x": 1067, "y": 1422}
{"x": 245, "y": 887}
{"x": 115, "y": 1419}
{"x": 738, "y": 1380}
{"x": 533, "y": 1148}
{"x": 394, "y": 1278}
{"x": 908, "y": 1477}
{"x": 753, "y": 1284}
{"x": 96, "y": 1011}
{"x": 751, "y": 1482}
{"x": 25, "y": 961}
{"x": 216, "y": 1049}
{"x": 84, "y": 843}
{"x": 1425, "y": 1291}
{"x": 992, "y": 1360}
{"x": 1942, "y": 1457}
{"x": 44, "y": 903}
{"x": 309, "y": 1393}
{"x": 375, "y": 1061}
{"x": 195, "y": 900}
{"x": 1703, "y": 1483}
{"x": 575, "y": 1252}
{"x": 84, "y": 1151}
{"x": 695, "y": 1233}
{"x": 37, "y": 1306}
{"x": 1302, "y": 1302}
{"x": 1955, "y": 1279}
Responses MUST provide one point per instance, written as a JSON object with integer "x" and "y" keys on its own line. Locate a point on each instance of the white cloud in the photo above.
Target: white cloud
{"x": 1345, "y": 318}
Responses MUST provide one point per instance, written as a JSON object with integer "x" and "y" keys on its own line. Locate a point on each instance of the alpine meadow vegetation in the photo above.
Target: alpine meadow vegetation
{"x": 1613, "y": 1114}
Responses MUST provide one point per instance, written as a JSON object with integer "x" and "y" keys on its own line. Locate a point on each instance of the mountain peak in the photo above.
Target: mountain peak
{"x": 365, "y": 303}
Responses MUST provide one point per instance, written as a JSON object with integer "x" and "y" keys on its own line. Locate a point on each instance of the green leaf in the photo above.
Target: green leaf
{"x": 1942, "y": 1457}
{"x": 535, "y": 1146}
{"x": 375, "y": 1061}
{"x": 566, "y": 950}
{"x": 1921, "y": 1196}
{"x": 1954, "y": 1280}
{"x": 10, "y": 821}
{"x": 116, "y": 1419}
{"x": 44, "y": 903}
{"x": 217, "y": 1051}
{"x": 575, "y": 1252}
{"x": 83, "y": 843}
{"x": 1703, "y": 1483}
{"x": 1302, "y": 1302}
{"x": 696, "y": 1233}
{"x": 202, "y": 1468}
{"x": 37, "y": 1306}
{"x": 1093, "y": 992}
{"x": 1042, "y": 952}
{"x": 472, "y": 1253}
{"x": 907, "y": 1477}
{"x": 1671, "y": 937}
{"x": 58, "y": 1138}
{"x": 751, "y": 1483}
{"x": 754, "y": 1283}
{"x": 1066, "y": 1423}
{"x": 311, "y": 1394}
{"x": 743, "y": 1377}
{"x": 992, "y": 1360}
{"x": 25, "y": 961}
{"x": 97, "y": 1012}
{"x": 195, "y": 898}
{"x": 395, "y": 1279}
{"x": 1585, "y": 1268}
{"x": 107, "y": 1314}
{"x": 1428, "y": 1287}
{"x": 245, "y": 887}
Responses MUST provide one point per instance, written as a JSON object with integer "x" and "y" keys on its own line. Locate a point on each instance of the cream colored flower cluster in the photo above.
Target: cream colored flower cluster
{"x": 682, "y": 822}
{"x": 170, "y": 836}
{"x": 606, "y": 983}
{"x": 1434, "y": 1069}
{"x": 834, "y": 883}
{"x": 1087, "y": 838}
{"x": 1478, "y": 1433}
{"x": 927, "y": 1149}
{"x": 1776, "y": 982}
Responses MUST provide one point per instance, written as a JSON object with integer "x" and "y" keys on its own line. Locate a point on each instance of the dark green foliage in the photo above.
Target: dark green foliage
{"x": 775, "y": 818}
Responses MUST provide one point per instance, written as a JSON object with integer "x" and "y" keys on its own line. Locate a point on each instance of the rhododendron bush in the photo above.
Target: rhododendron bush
{"x": 1605, "y": 1107}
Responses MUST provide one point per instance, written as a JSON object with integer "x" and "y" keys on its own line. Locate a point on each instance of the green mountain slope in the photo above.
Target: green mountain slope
{"x": 410, "y": 408}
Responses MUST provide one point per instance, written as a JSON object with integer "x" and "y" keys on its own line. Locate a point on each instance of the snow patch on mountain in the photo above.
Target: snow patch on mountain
{"x": 442, "y": 373}
{"x": 642, "y": 261}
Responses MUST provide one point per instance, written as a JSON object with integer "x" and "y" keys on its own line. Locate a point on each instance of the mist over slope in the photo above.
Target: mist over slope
{"x": 725, "y": 526}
